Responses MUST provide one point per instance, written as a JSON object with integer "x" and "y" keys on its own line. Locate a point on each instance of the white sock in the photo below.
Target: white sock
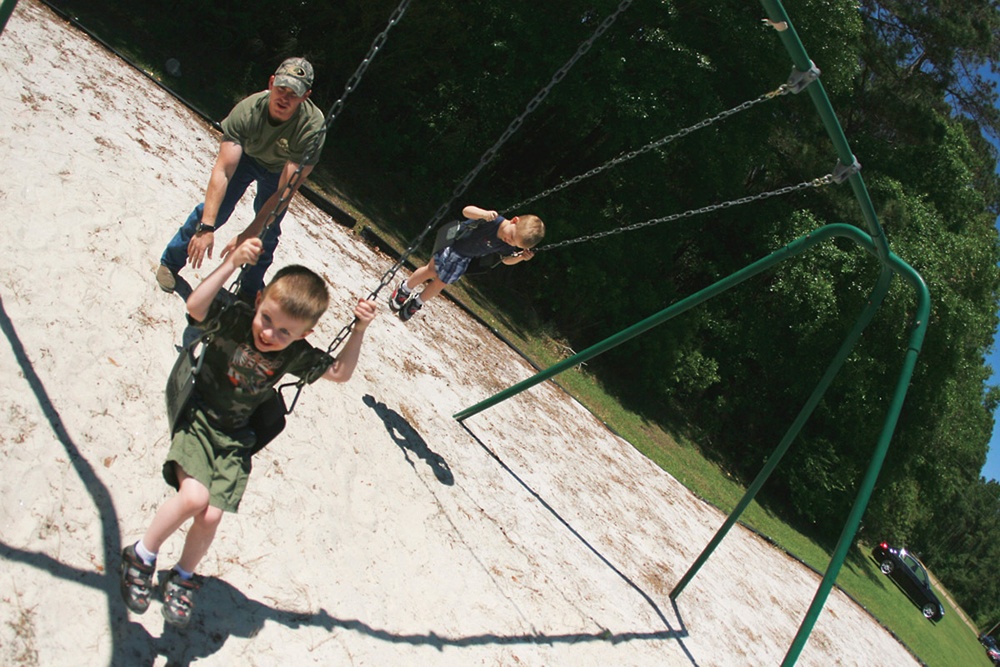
{"x": 147, "y": 556}
{"x": 184, "y": 573}
{"x": 403, "y": 288}
{"x": 418, "y": 301}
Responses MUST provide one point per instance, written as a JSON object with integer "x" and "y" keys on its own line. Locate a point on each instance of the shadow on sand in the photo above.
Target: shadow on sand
{"x": 224, "y": 611}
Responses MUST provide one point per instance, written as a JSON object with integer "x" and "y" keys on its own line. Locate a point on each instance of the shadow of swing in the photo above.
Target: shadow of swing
{"x": 669, "y": 633}
{"x": 223, "y": 610}
{"x": 409, "y": 441}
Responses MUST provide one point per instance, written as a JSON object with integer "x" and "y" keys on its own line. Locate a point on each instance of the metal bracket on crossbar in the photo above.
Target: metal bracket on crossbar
{"x": 798, "y": 80}
{"x": 842, "y": 171}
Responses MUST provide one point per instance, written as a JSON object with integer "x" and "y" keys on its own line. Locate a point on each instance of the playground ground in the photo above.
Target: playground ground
{"x": 377, "y": 530}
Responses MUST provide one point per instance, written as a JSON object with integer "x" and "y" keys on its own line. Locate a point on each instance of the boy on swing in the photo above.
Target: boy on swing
{"x": 482, "y": 233}
{"x": 209, "y": 458}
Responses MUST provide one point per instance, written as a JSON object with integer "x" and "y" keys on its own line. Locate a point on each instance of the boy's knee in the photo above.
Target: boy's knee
{"x": 210, "y": 517}
{"x": 194, "y": 494}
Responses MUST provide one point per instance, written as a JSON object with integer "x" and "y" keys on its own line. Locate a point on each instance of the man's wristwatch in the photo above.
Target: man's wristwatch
{"x": 202, "y": 227}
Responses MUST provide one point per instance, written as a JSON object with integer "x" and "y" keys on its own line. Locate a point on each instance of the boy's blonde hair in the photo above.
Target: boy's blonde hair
{"x": 531, "y": 228}
{"x": 300, "y": 292}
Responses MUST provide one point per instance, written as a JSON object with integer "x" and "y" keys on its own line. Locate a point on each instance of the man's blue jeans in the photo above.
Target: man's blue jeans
{"x": 175, "y": 255}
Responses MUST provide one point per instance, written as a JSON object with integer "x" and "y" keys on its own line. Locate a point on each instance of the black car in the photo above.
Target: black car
{"x": 911, "y": 576}
{"x": 992, "y": 650}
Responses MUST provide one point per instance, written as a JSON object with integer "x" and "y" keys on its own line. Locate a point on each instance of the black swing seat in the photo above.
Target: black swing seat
{"x": 452, "y": 231}
{"x": 181, "y": 381}
{"x": 267, "y": 421}
{"x": 455, "y": 230}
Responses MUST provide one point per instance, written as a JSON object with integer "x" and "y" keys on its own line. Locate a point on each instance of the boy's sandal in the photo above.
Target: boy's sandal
{"x": 178, "y": 598}
{"x": 136, "y": 580}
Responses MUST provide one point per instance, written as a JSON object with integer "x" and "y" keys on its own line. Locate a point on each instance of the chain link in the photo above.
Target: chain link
{"x": 490, "y": 153}
{"x": 625, "y": 157}
{"x": 814, "y": 183}
{"x": 334, "y": 111}
{"x": 313, "y": 149}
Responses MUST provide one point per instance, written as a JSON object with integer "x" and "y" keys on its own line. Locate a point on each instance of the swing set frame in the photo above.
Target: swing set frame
{"x": 874, "y": 243}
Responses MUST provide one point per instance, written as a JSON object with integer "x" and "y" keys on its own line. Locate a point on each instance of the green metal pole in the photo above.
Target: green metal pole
{"x": 794, "y": 248}
{"x": 878, "y": 294}
{"x": 6, "y": 9}
{"x": 800, "y": 59}
{"x": 875, "y": 465}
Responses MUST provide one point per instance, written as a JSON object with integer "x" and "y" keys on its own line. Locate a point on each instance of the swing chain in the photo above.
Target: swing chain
{"x": 783, "y": 89}
{"x": 292, "y": 183}
{"x": 490, "y": 153}
{"x": 331, "y": 115}
{"x": 788, "y": 189}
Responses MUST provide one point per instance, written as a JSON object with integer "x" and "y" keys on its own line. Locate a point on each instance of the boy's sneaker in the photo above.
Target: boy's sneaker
{"x": 398, "y": 298}
{"x": 412, "y": 305}
{"x": 136, "y": 580}
{"x": 165, "y": 278}
{"x": 178, "y": 598}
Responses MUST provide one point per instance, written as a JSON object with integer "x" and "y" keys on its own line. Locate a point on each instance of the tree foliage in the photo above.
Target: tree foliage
{"x": 908, "y": 80}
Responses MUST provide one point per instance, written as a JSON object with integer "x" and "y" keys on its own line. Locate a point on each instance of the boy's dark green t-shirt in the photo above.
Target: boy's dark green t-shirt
{"x": 236, "y": 377}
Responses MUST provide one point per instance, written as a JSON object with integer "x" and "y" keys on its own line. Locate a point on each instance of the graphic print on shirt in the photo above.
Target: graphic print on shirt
{"x": 250, "y": 371}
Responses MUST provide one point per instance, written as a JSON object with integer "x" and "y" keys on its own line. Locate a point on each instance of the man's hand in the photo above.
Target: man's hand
{"x": 200, "y": 245}
{"x": 365, "y": 312}
{"x": 230, "y": 247}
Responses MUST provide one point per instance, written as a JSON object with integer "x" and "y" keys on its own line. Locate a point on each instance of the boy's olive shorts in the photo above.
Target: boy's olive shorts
{"x": 217, "y": 459}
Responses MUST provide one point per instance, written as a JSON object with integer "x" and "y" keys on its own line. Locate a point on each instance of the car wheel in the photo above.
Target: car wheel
{"x": 887, "y": 567}
{"x": 930, "y": 610}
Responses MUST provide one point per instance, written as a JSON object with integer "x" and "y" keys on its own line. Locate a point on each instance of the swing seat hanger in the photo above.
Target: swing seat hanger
{"x": 799, "y": 80}
{"x": 780, "y": 26}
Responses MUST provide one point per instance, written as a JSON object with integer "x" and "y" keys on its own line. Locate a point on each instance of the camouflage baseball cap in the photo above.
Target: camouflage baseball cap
{"x": 295, "y": 73}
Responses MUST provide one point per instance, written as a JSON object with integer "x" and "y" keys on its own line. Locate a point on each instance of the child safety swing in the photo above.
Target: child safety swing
{"x": 268, "y": 420}
{"x": 450, "y": 231}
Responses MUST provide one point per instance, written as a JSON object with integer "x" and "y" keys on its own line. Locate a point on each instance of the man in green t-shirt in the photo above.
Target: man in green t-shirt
{"x": 264, "y": 140}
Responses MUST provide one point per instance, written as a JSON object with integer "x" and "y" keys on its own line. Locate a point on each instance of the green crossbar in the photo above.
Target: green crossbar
{"x": 6, "y": 9}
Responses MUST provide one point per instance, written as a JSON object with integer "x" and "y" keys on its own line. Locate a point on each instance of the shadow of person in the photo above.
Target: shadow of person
{"x": 222, "y": 612}
{"x": 408, "y": 440}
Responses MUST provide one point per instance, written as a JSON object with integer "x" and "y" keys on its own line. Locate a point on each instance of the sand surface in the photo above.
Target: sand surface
{"x": 377, "y": 530}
